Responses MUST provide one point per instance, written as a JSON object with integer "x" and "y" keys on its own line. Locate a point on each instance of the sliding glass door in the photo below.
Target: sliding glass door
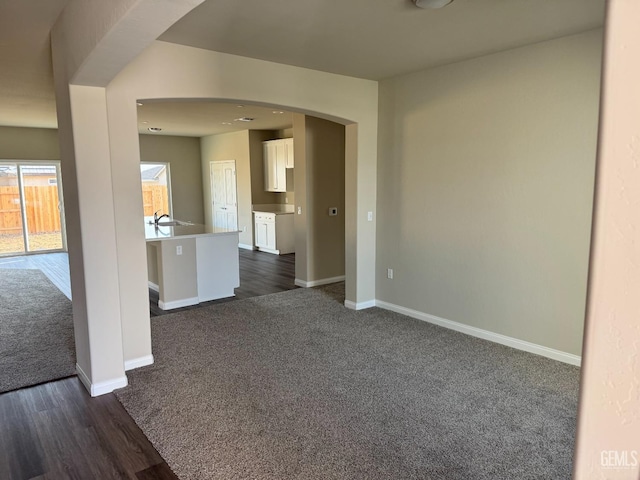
{"x": 31, "y": 213}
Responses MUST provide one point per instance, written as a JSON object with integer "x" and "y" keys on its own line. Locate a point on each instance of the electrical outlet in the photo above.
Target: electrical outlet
{"x": 333, "y": 211}
{"x": 389, "y": 272}
{"x": 179, "y": 250}
{"x": 370, "y": 216}
{"x": 299, "y": 210}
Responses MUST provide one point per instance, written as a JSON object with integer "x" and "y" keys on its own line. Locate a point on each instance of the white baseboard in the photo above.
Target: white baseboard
{"x": 360, "y": 305}
{"x": 138, "y": 362}
{"x": 185, "y": 302}
{"x": 317, "y": 283}
{"x": 100, "y": 388}
{"x": 268, "y": 250}
{"x": 484, "y": 334}
{"x": 245, "y": 246}
{"x": 154, "y": 287}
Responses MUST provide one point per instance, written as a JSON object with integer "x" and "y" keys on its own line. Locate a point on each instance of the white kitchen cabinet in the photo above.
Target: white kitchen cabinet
{"x": 274, "y": 233}
{"x": 278, "y": 156}
{"x": 288, "y": 148}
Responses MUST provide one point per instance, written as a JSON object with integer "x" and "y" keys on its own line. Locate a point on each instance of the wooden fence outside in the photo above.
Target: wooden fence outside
{"x": 43, "y": 215}
{"x": 154, "y": 198}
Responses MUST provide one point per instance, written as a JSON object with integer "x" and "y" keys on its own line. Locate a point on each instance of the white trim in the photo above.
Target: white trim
{"x": 359, "y": 306}
{"x": 484, "y": 334}
{"x": 185, "y": 302}
{"x": 317, "y": 283}
{"x": 138, "y": 362}
{"x": 101, "y": 388}
{"x": 154, "y": 287}
{"x": 245, "y": 246}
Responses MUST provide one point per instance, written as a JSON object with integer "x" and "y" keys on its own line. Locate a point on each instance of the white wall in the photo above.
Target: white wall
{"x": 485, "y": 184}
{"x": 183, "y": 156}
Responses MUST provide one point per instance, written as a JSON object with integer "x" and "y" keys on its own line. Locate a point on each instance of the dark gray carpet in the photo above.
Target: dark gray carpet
{"x": 293, "y": 385}
{"x": 36, "y": 330}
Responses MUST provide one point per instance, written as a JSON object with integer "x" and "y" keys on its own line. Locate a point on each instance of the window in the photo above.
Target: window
{"x": 156, "y": 188}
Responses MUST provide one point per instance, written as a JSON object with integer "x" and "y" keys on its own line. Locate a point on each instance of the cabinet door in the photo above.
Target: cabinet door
{"x": 270, "y": 165}
{"x": 288, "y": 146}
{"x": 261, "y": 234}
{"x": 271, "y": 235}
{"x": 280, "y": 166}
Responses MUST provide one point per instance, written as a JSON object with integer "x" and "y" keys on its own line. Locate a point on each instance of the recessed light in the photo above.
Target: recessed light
{"x": 155, "y": 129}
{"x": 244, "y": 119}
{"x": 139, "y": 104}
{"x": 278, "y": 112}
{"x": 227, "y": 123}
{"x": 240, "y": 106}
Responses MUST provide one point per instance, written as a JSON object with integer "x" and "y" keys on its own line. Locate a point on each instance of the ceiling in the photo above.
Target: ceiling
{"x": 198, "y": 119}
{"x": 363, "y": 38}
{"x": 26, "y": 80}
{"x": 375, "y": 39}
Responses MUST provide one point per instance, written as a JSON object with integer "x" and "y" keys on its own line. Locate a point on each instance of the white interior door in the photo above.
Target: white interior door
{"x": 224, "y": 194}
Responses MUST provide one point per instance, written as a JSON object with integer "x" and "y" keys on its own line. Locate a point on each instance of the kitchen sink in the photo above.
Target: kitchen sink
{"x": 171, "y": 223}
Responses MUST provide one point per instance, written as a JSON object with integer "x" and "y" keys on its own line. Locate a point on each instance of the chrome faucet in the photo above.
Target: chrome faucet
{"x": 157, "y": 218}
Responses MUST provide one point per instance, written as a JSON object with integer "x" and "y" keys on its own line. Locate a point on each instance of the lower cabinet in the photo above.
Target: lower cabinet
{"x": 274, "y": 233}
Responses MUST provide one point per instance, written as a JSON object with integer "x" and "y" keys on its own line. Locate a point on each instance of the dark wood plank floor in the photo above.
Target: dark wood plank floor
{"x": 57, "y": 431}
{"x": 260, "y": 274}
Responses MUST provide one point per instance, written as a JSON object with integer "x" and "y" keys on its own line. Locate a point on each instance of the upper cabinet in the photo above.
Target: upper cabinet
{"x": 278, "y": 156}
{"x": 288, "y": 151}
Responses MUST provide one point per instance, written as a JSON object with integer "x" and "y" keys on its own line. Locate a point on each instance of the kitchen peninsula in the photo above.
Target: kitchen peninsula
{"x": 190, "y": 263}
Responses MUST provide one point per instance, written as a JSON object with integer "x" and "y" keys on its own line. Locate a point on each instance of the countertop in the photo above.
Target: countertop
{"x": 153, "y": 234}
{"x": 276, "y": 212}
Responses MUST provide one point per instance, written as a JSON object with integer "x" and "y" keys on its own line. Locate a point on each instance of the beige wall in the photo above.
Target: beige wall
{"x": 183, "y": 155}
{"x": 29, "y": 144}
{"x": 196, "y": 73}
{"x": 485, "y": 181}
{"x": 230, "y": 146}
{"x": 608, "y": 436}
{"x": 320, "y": 184}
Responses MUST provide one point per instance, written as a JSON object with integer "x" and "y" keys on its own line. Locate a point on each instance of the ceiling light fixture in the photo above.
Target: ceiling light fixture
{"x": 277, "y": 112}
{"x": 139, "y": 104}
{"x": 432, "y": 3}
{"x": 227, "y": 123}
{"x": 244, "y": 119}
{"x": 155, "y": 129}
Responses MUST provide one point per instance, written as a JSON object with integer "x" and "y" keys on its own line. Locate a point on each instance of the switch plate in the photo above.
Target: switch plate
{"x": 179, "y": 250}
{"x": 333, "y": 211}
{"x": 370, "y": 216}
{"x": 390, "y": 273}
{"x": 299, "y": 210}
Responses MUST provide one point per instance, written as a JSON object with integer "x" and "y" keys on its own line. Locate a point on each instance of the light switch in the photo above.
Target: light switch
{"x": 179, "y": 250}
{"x": 370, "y": 216}
{"x": 299, "y": 210}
